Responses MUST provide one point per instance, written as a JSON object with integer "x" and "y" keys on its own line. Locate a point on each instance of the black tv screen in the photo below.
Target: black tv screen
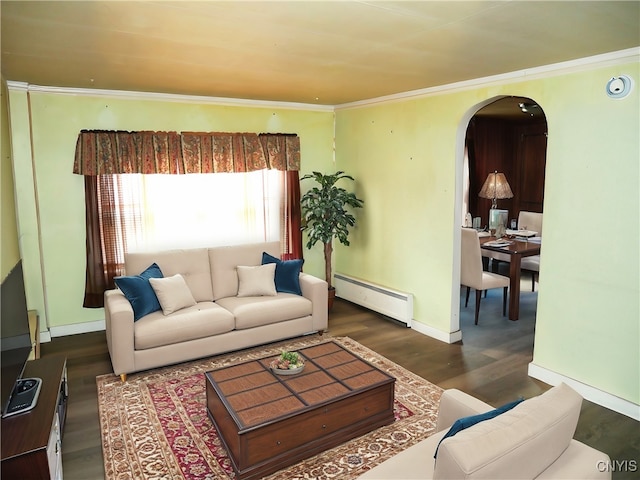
{"x": 15, "y": 339}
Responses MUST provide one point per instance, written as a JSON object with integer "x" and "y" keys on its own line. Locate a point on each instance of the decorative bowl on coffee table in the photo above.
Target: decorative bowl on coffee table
{"x": 289, "y": 371}
{"x": 288, "y": 363}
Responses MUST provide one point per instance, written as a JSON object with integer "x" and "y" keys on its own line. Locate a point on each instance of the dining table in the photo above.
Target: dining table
{"x": 515, "y": 248}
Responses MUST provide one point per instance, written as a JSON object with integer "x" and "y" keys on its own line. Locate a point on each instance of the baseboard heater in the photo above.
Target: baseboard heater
{"x": 392, "y": 303}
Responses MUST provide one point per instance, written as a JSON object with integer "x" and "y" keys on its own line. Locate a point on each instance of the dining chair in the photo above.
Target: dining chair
{"x": 531, "y": 221}
{"x": 531, "y": 265}
{"x": 473, "y": 276}
{"x": 526, "y": 221}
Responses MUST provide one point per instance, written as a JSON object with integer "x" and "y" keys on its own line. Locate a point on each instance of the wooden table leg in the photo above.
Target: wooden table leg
{"x": 514, "y": 287}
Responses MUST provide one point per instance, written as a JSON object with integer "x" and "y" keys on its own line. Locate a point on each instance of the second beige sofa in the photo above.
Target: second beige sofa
{"x": 532, "y": 440}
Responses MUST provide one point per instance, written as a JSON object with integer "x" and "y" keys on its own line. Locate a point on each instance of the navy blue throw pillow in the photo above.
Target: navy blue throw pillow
{"x": 138, "y": 291}
{"x": 287, "y": 273}
{"x": 466, "y": 422}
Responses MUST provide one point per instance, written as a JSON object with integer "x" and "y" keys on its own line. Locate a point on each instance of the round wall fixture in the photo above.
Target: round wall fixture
{"x": 619, "y": 87}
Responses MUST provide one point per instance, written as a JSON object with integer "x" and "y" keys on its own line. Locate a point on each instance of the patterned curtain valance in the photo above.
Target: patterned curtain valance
{"x": 102, "y": 152}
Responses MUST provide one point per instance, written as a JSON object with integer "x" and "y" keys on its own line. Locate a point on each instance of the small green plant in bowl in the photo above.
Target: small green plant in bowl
{"x": 288, "y": 361}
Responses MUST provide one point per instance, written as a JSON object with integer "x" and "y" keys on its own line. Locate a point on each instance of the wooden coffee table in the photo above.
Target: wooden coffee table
{"x": 268, "y": 421}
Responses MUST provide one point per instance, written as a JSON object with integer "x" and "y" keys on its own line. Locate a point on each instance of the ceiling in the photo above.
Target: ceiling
{"x": 312, "y": 52}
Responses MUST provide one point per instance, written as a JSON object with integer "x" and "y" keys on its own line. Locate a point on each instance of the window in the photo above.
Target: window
{"x": 160, "y": 212}
{"x": 174, "y": 205}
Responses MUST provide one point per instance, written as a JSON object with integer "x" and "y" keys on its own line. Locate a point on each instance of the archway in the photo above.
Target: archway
{"x": 510, "y": 136}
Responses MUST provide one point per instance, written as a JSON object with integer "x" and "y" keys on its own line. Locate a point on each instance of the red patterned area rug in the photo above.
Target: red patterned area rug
{"x": 155, "y": 425}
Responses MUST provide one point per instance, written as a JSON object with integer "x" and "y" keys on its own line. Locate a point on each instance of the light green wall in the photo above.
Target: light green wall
{"x": 51, "y": 197}
{"x": 9, "y": 251}
{"x": 403, "y": 155}
{"x": 403, "y": 164}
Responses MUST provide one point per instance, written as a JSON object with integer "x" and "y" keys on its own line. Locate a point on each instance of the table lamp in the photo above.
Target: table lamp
{"x": 496, "y": 187}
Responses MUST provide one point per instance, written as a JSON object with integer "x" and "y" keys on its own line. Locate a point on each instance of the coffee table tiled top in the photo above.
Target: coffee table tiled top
{"x": 254, "y": 395}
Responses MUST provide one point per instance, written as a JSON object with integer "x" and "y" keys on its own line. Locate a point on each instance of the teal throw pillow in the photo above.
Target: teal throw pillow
{"x": 287, "y": 273}
{"x": 138, "y": 291}
{"x": 466, "y": 422}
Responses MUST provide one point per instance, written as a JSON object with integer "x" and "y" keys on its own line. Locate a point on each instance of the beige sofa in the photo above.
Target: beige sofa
{"x": 532, "y": 440}
{"x": 221, "y": 313}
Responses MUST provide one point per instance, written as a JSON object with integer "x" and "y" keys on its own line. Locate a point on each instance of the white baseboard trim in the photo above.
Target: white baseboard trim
{"x": 592, "y": 394}
{"x": 76, "y": 328}
{"x": 452, "y": 337}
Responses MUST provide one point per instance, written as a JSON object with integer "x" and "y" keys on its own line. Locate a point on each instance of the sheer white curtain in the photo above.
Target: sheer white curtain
{"x": 199, "y": 210}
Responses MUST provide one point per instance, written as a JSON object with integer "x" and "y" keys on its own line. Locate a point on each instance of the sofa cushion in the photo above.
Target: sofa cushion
{"x": 520, "y": 443}
{"x": 173, "y": 293}
{"x": 138, "y": 290}
{"x": 224, "y": 260}
{"x": 256, "y": 281}
{"x": 255, "y": 311}
{"x": 287, "y": 273}
{"x": 469, "y": 421}
{"x": 192, "y": 264}
{"x": 202, "y": 320}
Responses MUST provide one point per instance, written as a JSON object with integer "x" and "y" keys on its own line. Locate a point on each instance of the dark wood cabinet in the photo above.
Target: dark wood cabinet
{"x": 31, "y": 442}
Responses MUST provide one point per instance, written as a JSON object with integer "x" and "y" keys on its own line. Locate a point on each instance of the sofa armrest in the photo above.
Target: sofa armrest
{"x": 316, "y": 290}
{"x": 120, "y": 332}
{"x": 455, "y": 404}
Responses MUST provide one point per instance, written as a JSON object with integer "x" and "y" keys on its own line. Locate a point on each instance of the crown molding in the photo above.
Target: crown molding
{"x": 165, "y": 97}
{"x": 17, "y": 86}
{"x": 546, "y": 71}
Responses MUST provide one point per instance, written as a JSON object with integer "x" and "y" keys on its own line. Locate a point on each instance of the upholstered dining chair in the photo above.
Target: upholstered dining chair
{"x": 473, "y": 276}
{"x": 526, "y": 221}
{"x": 531, "y": 265}
{"x": 531, "y": 221}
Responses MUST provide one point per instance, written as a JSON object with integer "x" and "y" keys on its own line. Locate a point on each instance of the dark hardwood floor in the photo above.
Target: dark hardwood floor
{"x": 490, "y": 363}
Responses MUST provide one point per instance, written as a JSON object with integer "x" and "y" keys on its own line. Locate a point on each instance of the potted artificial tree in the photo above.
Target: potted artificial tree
{"x": 325, "y": 216}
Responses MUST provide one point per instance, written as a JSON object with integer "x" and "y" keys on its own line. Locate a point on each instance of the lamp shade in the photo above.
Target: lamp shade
{"x": 495, "y": 187}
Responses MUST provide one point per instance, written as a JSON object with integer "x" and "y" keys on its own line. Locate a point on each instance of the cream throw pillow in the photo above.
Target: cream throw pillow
{"x": 173, "y": 293}
{"x": 257, "y": 281}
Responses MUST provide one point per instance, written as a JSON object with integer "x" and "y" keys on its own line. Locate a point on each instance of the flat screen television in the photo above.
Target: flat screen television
{"x": 15, "y": 339}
